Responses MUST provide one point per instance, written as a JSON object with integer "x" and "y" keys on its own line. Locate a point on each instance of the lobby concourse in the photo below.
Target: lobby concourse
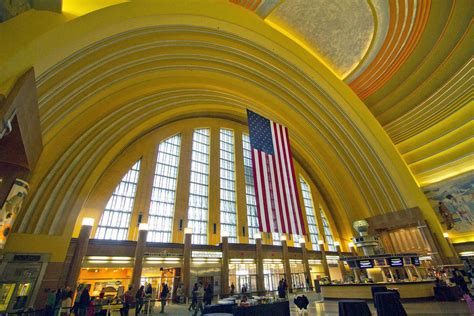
{"x": 126, "y": 155}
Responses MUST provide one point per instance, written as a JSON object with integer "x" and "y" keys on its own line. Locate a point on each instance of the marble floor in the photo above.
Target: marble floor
{"x": 330, "y": 308}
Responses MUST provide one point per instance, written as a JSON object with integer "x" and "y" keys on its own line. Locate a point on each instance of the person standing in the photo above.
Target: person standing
{"x": 139, "y": 296}
{"x": 193, "y": 297}
{"x": 208, "y": 294}
{"x": 199, "y": 298}
{"x": 50, "y": 300}
{"x": 84, "y": 301}
{"x": 66, "y": 303}
{"x": 163, "y": 296}
{"x": 232, "y": 289}
{"x": 127, "y": 301}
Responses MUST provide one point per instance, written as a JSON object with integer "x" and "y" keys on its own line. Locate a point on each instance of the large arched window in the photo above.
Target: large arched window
{"x": 199, "y": 187}
{"x": 163, "y": 195}
{"x": 115, "y": 220}
{"x": 310, "y": 215}
{"x": 228, "y": 207}
{"x": 218, "y": 201}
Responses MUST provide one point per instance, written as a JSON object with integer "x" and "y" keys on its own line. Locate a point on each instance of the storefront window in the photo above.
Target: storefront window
{"x": 160, "y": 219}
{"x": 243, "y": 274}
{"x": 298, "y": 278}
{"x": 227, "y": 185}
{"x": 199, "y": 186}
{"x": 112, "y": 280}
{"x": 117, "y": 214}
{"x": 273, "y": 273}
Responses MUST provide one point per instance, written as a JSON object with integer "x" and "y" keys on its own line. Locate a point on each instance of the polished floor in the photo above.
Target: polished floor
{"x": 330, "y": 308}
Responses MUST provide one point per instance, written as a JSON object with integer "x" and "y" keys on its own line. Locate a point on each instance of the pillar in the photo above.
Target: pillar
{"x": 259, "y": 255}
{"x": 139, "y": 251}
{"x": 456, "y": 257}
{"x": 186, "y": 271}
{"x": 352, "y": 249}
{"x": 324, "y": 261}
{"x": 340, "y": 263}
{"x": 286, "y": 263}
{"x": 307, "y": 271}
{"x": 80, "y": 251}
{"x": 437, "y": 253}
{"x": 225, "y": 264}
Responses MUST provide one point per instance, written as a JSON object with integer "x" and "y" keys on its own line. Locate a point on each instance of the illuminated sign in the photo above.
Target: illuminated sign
{"x": 365, "y": 263}
{"x": 415, "y": 261}
{"x": 206, "y": 254}
{"x": 395, "y": 262}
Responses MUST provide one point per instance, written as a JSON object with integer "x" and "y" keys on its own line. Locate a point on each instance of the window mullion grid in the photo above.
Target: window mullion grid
{"x": 228, "y": 214}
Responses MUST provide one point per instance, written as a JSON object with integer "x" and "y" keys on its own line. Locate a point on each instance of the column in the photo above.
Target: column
{"x": 438, "y": 255}
{"x": 186, "y": 271}
{"x": 307, "y": 271}
{"x": 340, "y": 263}
{"x": 286, "y": 263}
{"x": 352, "y": 248}
{"x": 225, "y": 263}
{"x": 139, "y": 251}
{"x": 260, "y": 272}
{"x": 324, "y": 261}
{"x": 451, "y": 246}
{"x": 80, "y": 251}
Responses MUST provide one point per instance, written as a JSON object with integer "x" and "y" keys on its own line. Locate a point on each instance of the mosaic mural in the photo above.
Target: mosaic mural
{"x": 453, "y": 201}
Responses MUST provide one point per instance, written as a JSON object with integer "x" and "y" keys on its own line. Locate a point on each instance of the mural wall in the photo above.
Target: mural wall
{"x": 453, "y": 201}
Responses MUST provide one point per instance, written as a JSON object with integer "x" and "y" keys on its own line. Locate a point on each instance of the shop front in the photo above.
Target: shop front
{"x": 103, "y": 273}
{"x": 243, "y": 273}
{"x": 206, "y": 268}
{"x": 298, "y": 278}
{"x": 273, "y": 273}
{"x": 19, "y": 280}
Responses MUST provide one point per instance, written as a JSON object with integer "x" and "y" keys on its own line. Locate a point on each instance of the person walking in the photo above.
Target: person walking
{"x": 164, "y": 296}
{"x": 127, "y": 300}
{"x": 193, "y": 297}
{"x": 139, "y": 297}
{"x": 199, "y": 299}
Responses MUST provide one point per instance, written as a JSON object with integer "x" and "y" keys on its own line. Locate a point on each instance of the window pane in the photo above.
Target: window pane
{"x": 198, "y": 188}
{"x": 228, "y": 208}
{"x": 252, "y": 216}
{"x": 310, "y": 215}
{"x": 116, "y": 217}
{"x": 327, "y": 231}
{"x": 160, "y": 216}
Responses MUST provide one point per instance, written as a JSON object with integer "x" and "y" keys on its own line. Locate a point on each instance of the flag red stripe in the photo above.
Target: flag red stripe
{"x": 285, "y": 165}
{"x": 261, "y": 213}
{"x": 267, "y": 189}
{"x": 264, "y": 192}
{"x": 279, "y": 184}
{"x": 273, "y": 190}
{"x": 294, "y": 191}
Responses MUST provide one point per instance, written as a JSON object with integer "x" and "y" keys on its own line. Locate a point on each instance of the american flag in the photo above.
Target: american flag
{"x": 278, "y": 203}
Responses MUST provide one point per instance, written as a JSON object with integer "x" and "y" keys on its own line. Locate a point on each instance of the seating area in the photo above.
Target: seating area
{"x": 386, "y": 301}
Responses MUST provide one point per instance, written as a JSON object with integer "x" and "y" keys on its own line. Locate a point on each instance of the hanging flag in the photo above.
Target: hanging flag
{"x": 278, "y": 203}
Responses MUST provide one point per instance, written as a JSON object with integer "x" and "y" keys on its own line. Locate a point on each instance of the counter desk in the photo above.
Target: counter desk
{"x": 407, "y": 290}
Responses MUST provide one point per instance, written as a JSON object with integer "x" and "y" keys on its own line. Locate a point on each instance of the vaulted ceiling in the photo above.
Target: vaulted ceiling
{"x": 410, "y": 62}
